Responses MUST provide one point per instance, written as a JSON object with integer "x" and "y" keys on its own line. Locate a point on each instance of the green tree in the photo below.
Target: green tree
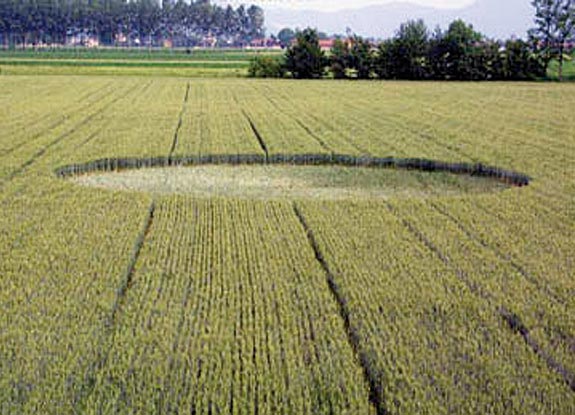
{"x": 383, "y": 60}
{"x": 410, "y": 50}
{"x": 256, "y": 21}
{"x": 554, "y": 26}
{"x": 32, "y": 21}
{"x": 285, "y": 36}
{"x": 305, "y": 59}
{"x": 455, "y": 52}
{"x": 339, "y": 59}
{"x": 361, "y": 57}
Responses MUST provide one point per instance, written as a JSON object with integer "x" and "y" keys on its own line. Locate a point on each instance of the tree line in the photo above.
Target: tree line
{"x": 414, "y": 53}
{"x": 417, "y": 53}
{"x": 29, "y": 22}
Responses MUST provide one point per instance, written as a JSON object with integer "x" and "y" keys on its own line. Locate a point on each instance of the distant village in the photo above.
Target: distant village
{"x": 205, "y": 41}
{"x": 84, "y": 39}
{"x": 137, "y": 23}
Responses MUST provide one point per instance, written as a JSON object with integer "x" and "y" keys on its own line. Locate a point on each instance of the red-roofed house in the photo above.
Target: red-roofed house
{"x": 326, "y": 44}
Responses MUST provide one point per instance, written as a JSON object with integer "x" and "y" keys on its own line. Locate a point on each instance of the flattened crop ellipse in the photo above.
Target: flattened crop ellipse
{"x": 293, "y": 177}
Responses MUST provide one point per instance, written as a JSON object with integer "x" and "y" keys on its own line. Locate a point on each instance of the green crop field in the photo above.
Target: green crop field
{"x": 171, "y": 245}
{"x": 148, "y": 54}
{"x": 130, "y": 62}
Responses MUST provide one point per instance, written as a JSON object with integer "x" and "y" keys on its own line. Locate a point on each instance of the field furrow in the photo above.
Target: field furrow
{"x": 215, "y": 124}
{"x": 58, "y": 289}
{"x": 244, "y": 318}
{"x": 282, "y": 286}
{"x": 509, "y": 231}
{"x": 281, "y": 133}
{"x": 433, "y": 339}
{"x": 38, "y": 108}
{"x": 15, "y": 164}
{"x": 547, "y": 311}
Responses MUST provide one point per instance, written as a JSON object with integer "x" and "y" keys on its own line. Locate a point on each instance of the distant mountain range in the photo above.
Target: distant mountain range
{"x": 495, "y": 18}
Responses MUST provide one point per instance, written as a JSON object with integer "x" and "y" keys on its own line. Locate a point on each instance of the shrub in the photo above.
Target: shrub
{"x": 266, "y": 67}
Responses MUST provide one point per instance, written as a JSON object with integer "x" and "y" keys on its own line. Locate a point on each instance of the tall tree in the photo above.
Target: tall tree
{"x": 339, "y": 58}
{"x": 554, "y": 27}
{"x": 457, "y": 49}
{"x": 305, "y": 59}
{"x": 285, "y": 36}
{"x": 256, "y": 21}
{"x": 51, "y": 21}
{"x": 360, "y": 57}
{"x": 411, "y": 50}
{"x": 384, "y": 64}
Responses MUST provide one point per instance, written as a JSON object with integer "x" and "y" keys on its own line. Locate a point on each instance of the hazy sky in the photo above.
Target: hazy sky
{"x": 332, "y": 5}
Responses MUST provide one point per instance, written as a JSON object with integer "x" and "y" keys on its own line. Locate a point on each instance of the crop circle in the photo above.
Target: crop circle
{"x": 293, "y": 177}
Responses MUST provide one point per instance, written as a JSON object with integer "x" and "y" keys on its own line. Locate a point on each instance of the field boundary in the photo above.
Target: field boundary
{"x": 116, "y": 164}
